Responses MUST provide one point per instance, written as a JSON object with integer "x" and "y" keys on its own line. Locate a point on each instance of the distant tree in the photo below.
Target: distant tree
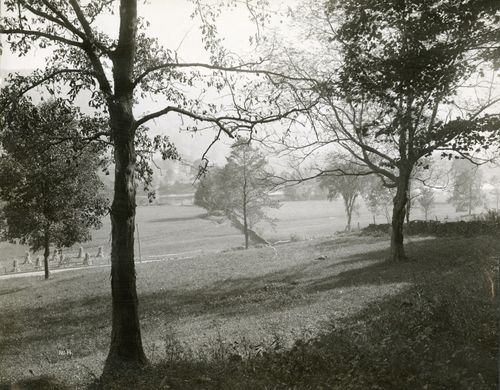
{"x": 348, "y": 187}
{"x": 48, "y": 177}
{"x": 378, "y": 198}
{"x": 209, "y": 191}
{"x": 424, "y": 173}
{"x": 467, "y": 186}
{"x": 295, "y": 190}
{"x": 426, "y": 200}
{"x": 240, "y": 189}
{"x": 496, "y": 190}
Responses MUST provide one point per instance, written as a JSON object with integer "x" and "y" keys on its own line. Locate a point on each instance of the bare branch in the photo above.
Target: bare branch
{"x": 243, "y": 68}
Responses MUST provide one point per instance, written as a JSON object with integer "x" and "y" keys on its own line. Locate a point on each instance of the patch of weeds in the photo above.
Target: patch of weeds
{"x": 174, "y": 349}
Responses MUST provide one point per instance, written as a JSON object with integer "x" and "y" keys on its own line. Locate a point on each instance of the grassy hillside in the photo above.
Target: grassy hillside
{"x": 325, "y": 313}
{"x": 166, "y": 231}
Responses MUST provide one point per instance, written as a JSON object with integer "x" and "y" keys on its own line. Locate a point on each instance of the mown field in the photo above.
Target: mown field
{"x": 323, "y": 313}
{"x": 178, "y": 231}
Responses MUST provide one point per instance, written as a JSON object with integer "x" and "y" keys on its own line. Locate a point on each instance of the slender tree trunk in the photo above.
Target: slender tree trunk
{"x": 349, "y": 207}
{"x": 374, "y": 222}
{"x": 398, "y": 216}
{"x": 349, "y": 218}
{"x": 245, "y": 218}
{"x": 46, "y": 253}
{"x": 245, "y": 185}
{"x": 408, "y": 210}
{"x": 245, "y": 227}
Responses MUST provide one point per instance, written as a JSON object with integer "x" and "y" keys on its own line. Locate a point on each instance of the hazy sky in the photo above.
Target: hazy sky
{"x": 171, "y": 22}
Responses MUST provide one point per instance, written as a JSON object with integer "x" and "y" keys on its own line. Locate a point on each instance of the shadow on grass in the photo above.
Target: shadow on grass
{"x": 70, "y": 321}
{"x": 38, "y": 383}
{"x": 439, "y": 334}
{"x": 179, "y": 219}
{"x": 292, "y": 287}
{"x": 367, "y": 344}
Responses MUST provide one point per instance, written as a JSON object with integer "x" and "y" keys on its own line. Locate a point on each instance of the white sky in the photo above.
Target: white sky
{"x": 171, "y": 22}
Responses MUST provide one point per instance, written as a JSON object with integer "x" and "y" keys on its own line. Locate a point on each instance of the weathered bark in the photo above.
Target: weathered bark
{"x": 126, "y": 350}
{"x": 398, "y": 217}
{"x": 126, "y": 344}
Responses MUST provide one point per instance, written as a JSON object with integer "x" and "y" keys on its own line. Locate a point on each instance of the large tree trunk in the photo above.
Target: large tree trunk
{"x": 126, "y": 349}
{"x": 126, "y": 344}
{"x": 398, "y": 217}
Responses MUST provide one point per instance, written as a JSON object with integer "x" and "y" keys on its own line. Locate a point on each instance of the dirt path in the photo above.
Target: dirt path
{"x": 149, "y": 259}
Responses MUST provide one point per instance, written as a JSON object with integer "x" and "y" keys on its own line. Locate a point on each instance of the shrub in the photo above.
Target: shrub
{"x": 488, "y": 226}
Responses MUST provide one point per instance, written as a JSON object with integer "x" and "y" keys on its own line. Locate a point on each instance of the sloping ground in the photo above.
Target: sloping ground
{"x": 259, "y": 318}
{"x": 166, "y": 231}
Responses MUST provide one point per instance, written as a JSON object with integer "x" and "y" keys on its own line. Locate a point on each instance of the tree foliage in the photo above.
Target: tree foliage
{"x": 393, "y": 98}
{"x": 348, "y": 186}
{"x": 240, "y": 190}
{"x": 378, "y": 198}
{"x": 114, "y": 72}
{"x": 467, "y": 185}
{"x": 426, "y": 200}
{"x": 48, "y": 176}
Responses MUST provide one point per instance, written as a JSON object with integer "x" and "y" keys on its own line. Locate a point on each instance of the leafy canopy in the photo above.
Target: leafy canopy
{"x": 48, "y": 175}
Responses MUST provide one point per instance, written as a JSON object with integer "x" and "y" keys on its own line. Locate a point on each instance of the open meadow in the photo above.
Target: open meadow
{"x": 320, "y": 313}
{"x": 168, "y": 231}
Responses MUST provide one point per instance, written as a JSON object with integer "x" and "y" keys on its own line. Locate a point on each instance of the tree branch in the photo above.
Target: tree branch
{"x": 51, "y": 76}
{"x": 239, "y": 68}
{"x": 89, "y": 35}
{"x": 41, "y": 35}
{"x": 219, "y": 121}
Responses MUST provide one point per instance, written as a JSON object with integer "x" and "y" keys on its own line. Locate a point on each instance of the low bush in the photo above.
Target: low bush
{"x": 474, "y": 228}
